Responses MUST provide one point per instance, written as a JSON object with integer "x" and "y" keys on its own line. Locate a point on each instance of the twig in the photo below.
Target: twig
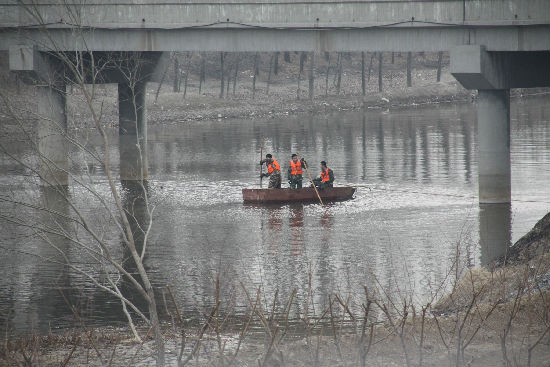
{"x": 199, "y": 337}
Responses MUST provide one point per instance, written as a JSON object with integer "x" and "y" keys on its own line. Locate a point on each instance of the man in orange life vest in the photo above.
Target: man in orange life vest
{"x": 295, "y": 171}
{"x": 273, "y": 172}
{"x": 327, "y": 177}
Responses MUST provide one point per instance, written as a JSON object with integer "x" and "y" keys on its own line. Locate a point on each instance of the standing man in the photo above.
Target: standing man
{"x": 327, "y": 177}
{"x": 295, "y": 172}
{"x": 273, "y": 172}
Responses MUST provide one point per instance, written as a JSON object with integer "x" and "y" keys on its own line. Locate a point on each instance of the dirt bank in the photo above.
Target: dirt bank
{"x": 200, "y": 100}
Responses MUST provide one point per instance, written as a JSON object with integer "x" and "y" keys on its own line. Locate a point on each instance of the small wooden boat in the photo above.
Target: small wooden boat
{"x": 299, "y": 195}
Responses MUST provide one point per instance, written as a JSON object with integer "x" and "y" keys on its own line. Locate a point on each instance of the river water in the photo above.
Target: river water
{"x": 415, "y": 206}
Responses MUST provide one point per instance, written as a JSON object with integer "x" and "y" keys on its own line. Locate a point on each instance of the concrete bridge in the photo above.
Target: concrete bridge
{"x": 495, "y": 45}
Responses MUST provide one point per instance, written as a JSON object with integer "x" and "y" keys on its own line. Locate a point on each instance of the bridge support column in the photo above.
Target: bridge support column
{"x": 493, "y": 74}
{"x": 46, "y": 74}
{"x": 493, "y": 125}
{"x": 132, "y": 131}
{"x": 495, "y": 230}
{"x": 52, "y": 139}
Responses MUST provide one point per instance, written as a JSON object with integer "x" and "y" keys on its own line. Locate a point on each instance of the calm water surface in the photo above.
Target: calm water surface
{"x": 416, "y": 174}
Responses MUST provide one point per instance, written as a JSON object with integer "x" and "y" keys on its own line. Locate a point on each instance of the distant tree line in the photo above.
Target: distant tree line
{"x": 230, "y": 69}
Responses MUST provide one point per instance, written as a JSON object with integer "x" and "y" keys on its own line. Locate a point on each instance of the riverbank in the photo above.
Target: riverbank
{"x": 282, "y": 96}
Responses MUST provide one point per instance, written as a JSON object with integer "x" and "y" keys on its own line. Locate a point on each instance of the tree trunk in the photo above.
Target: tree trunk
{"x": 18, "y": 84}
{"x": 409, "y": 67}
{"x": 299, "y": 78}
{"x": 176, "y": 87}
{"x": 161, "y": 82}
{"x": 187, "y": 70}
{"x": 271, "y": 60}
{"x": 202, "y": 72}
{"x": 327, "y": 56}
{"x": 370, "y": 65}
{"x": 286, "y": 56}
{"x": 311, "y": 74}
{"x": 236, "y": 72}
{"x": 303, "y": 58}
{"x": 339, "y": 80}
{"x": 276, "y": 63}
{"x": 222, "y": 76}
{"x": 380, "y": 59}
{"x": 439, "y": 60}
{"x": 228, "y": 83}
{"x": 255, "y": 72}
{"x": 363, "y": 84}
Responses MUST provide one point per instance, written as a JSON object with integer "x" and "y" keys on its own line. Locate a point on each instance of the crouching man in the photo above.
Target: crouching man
{"x": 326, "y": 179}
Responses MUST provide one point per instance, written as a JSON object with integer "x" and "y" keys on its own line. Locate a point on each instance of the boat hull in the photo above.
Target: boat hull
{"x": 299, "y": 195}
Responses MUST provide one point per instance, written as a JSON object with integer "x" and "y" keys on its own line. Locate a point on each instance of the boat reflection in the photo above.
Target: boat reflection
{"x": 296, "y": 222}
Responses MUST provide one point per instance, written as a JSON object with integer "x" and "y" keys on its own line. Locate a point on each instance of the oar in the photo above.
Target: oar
{"x": 311, "y": 180}
{"x": 261, "y": 165}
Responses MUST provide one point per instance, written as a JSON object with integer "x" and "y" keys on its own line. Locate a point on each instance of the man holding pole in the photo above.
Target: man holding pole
{"x": 294, "y": 173}
{"x": 273, "y": 172}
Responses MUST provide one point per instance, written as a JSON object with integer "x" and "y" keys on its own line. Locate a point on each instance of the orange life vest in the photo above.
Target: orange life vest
{"x": 296, "y": 168}
{"x": 325, "y": 176}
{"x": 273, "y": 166}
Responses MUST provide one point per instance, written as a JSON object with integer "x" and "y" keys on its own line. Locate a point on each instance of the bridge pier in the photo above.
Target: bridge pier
{"x": 40, "y": 70}
{"x": 493, "y": 74}
{"x": 495, "y": 231}
{"x": 493, "y": 127}
{"x": 132, "y": 131}
{"x": 52, "y": 140}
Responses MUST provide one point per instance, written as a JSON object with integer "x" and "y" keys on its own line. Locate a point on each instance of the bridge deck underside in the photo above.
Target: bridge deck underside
{"x": 399, "y": 39}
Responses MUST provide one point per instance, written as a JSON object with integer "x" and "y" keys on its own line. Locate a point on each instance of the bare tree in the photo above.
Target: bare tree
{"x": 409, "y": 69}
{"x": 370, "y": 65}
{"x": 339, "y": 73}
{"x": 327, "y": 57}
{"x": 380, "y": 61}
{"x": 255, "y": 72}
{"x": 86, "y": 69}
{"x": 236, "y": 73}
{"x": 439, "y": 62}
{"x": 271, "y": 61}
{"x": 222, "y": 76}
{"x": 187, "y": 71}
{"x": 363, "y": 84}
{"x": 276, "y": 63}
{"x": 202, "y": 71}
{"x": 177, "y": 73}
{"x": 311, "y": 73}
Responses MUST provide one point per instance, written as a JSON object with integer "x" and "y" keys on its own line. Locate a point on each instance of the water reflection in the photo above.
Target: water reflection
{"x": 50, "y": 288}
{"x": 495, "y": 226}
{"x": 415, "y": 169}
{"x": 296, "y": 222}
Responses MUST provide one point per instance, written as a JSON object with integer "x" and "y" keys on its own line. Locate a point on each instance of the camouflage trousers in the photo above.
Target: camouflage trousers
{"x": 274, "y": 180}
{"x": 295, "y": 181}
{"x": 320, "y": 184}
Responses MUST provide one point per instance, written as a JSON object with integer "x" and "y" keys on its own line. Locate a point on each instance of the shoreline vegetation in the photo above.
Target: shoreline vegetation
{"x": 495, "y": 315}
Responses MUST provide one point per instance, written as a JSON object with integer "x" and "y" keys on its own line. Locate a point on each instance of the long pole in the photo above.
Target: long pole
{"x": 311, "y": 180}
{"x": 261, "y": 165}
